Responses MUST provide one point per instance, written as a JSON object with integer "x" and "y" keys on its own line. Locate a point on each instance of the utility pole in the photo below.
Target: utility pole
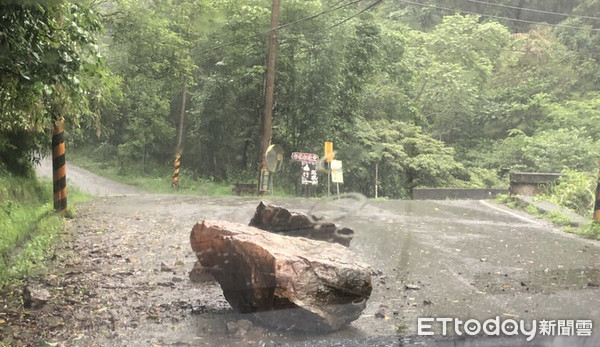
{"x": 181, "y": 117}
{"x": 267, "y": 120}
{"x": 178, "y": 148}
{"x": 376, "y": 175}
{"x": 597, "y": 202}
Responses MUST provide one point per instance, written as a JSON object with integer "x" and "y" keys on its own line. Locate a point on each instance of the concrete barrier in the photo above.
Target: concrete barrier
{"x": 531, "y": 183}
{"x": 456, "y": 193}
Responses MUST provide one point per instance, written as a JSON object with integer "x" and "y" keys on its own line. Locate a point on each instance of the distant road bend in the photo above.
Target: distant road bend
{"x": 87, "y": 181}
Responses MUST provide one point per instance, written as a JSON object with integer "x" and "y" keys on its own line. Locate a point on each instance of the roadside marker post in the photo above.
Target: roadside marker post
{"x": 59, "y": 168}
{"x": 176, "y": 164}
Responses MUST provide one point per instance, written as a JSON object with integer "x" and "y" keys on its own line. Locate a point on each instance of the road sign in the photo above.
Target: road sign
{"x": 307, "y": 157}
{"x": 274, "y": 158}
{"x": 328, "y": 151}
{"x": 309, "y": 173}
{"x": 337, "y": 175}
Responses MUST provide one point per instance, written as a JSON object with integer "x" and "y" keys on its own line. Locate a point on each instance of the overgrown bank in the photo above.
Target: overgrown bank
{"x": 29, "y": 226}
{"x": 574, "y": 192}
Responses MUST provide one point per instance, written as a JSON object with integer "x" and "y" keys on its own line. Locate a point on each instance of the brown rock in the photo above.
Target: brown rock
{"x": 288, "y": 282}
{"x": 35, "y": 297}
{"x": 240, "y": 328}
{"x": 199, "y": 274}
{"x": 165, "y": 268}
{"x": 280, "y": 220}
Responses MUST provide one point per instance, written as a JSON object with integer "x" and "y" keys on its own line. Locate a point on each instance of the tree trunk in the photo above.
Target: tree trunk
{"x": 269, "y": 89}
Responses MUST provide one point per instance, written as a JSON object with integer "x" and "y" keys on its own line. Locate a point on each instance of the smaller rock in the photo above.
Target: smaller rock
{"x": 375, "y": 273}
{"x": 54, "y": 322}
{"x": 131, "y": 260}
{"x": 114, "y": 319}
{"x": 380, "y": 314}
{"x": 165, "y": 268}
{"x": 277, "y": 219}
{"x": 412, "y": 286}
{"x": 35, "y": 297}
{"x": 240, "y": 328}
{"x": 199, "y": 274}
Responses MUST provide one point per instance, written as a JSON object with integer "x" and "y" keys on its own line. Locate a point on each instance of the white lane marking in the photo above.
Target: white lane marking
{"x": 530, "y": 220}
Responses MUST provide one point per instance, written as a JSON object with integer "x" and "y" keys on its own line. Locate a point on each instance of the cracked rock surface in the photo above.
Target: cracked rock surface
{"x": 289, "y": 282}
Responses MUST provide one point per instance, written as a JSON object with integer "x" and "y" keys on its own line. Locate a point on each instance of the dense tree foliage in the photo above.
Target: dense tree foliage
{"x": 50, "y": 68}
{"x": 432, "y": 93}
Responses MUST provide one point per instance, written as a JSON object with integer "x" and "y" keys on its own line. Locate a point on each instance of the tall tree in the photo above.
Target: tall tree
{"x": 456, "y": 61}
{"x": 51, "y": 68}
{"x": 151, "y": 48}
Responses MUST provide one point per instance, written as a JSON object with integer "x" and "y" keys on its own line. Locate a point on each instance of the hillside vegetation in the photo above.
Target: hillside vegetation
{"x": 426, "y": 93}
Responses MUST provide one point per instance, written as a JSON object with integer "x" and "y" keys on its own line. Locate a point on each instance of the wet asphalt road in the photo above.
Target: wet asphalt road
{"x": 458, "y": 259}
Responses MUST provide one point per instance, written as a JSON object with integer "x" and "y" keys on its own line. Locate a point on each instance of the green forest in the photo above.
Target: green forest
{"x": 451, "y": 93}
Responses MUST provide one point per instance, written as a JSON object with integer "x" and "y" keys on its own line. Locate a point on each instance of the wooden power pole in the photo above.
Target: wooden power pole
{"x": 267, "y": 120}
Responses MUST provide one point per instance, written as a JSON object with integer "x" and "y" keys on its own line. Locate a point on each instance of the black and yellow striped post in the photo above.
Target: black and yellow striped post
{"x": 59, "y": 169}
{"x": 597, "y": 204}
{"x": 176, "y": 164}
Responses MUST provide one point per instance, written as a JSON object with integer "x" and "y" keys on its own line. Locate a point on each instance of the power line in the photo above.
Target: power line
{"x": 356, "y": 14}
{"x": 283, "y": 26}
{"x": 318, "y": 14}
{"x": 500, "y": 17}
{"x": 533, "y": 10}
{"x": 337, "y": 3}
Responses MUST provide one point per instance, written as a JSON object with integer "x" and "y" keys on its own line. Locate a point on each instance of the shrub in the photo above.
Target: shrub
{"x": 574, "y": 190}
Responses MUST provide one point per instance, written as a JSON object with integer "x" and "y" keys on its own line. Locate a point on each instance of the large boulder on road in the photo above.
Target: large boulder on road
{"x": 287, "y": 282}
{"x": 280, "y": 220}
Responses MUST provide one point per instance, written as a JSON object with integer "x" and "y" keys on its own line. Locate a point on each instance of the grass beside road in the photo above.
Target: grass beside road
{"x": 589, "y": 230}
{"x": 153, "y": 179}
{"x": 28, "y": 225}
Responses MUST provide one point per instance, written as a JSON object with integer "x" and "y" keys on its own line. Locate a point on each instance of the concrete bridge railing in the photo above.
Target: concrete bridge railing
{"x": 531, "y": 183}
{"x": 456, "y": 193}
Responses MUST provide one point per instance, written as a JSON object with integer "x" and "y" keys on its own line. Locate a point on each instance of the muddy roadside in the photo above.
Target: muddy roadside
{"x": 121, "y": 277}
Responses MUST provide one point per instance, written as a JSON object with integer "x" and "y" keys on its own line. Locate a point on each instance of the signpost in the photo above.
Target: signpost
{"x": 309, "y": 173}
{"x": 328, "y": 151}
{"x": 329, "y": 154}
{"x": 308, "y": 163}
{"x": 337, "y": 174}
{"x": 305, "y": 157}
